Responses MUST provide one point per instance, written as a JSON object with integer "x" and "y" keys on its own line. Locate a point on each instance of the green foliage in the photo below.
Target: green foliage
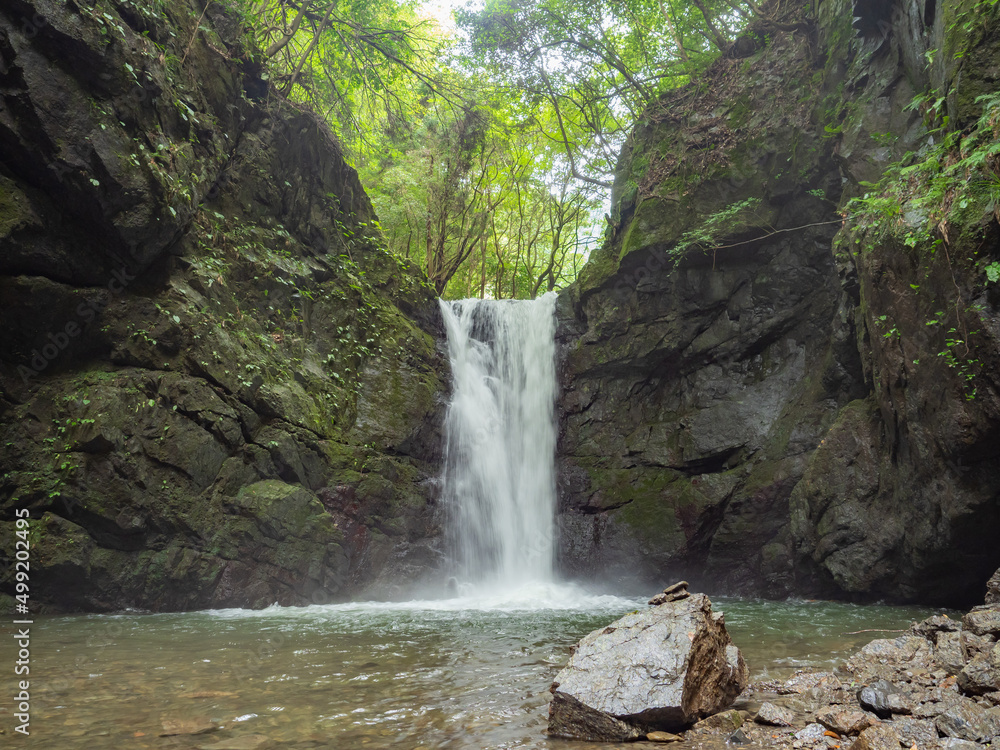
{"x": 596, "y": 65}
{"x": 481, "y": 200}
{"x": 732, "y": 219}
{"x": 918, "y": 195}
{"x": 487, "y": 153}
{"x": 954, "y": 179}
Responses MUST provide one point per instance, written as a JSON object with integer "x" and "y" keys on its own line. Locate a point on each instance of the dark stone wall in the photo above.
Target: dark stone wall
{"x": 738, "y": 415}
{"x": 216, "y": 388}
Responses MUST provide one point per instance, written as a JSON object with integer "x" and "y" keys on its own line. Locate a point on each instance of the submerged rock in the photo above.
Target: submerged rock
{"x": 660, "y": 669}
{"x": 663, "y": 737}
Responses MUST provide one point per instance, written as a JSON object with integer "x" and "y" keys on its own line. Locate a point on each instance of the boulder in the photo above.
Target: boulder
{"x": 844, "y": 720}
{"x": 983, "y": 620}
{"x": 993, "y": 589}
{"x": 969, "y": 721}
{"x": 982, "y": 674}
{"x": 772, "y": 715}
{"x": 657, "y": 670}
{"x": 879, "y": 737}
{"x": 877, "y": 698}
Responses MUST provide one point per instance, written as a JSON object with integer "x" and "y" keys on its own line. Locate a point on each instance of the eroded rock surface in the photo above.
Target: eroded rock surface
{"x": 775, "y": 409}
{"x": 659, "y": 669}
{"x": 216, "y": 389}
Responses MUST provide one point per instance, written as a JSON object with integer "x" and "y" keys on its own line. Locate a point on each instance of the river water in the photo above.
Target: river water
{"x": 461, "y": 673}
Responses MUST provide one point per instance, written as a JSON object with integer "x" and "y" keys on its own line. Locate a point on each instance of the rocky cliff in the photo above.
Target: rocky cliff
{"x": 216, "y": 388}
{"x": 771, "y": 387}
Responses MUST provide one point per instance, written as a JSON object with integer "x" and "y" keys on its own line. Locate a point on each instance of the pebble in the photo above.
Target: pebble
{"x": 172, "y": 727}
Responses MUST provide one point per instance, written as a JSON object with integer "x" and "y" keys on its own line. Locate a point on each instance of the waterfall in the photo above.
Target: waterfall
{"x": 500, "y": 438}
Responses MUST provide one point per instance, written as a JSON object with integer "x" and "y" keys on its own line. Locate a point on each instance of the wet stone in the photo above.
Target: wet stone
{"x": 172, "y": 727}
{"x": 771, "y": 715}
{"x": 738, "y": 737}
{"x": 845, "y": 721}
{"x": 663, "y": 737}
{"x": 727, "y": 720}
{"x": 246, "y": 742}
{"x": 875, "y": 698}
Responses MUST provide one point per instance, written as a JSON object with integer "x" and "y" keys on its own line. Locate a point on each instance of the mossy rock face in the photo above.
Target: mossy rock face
{"x": 210, "y": 361}
{"x": 739, "y": 322}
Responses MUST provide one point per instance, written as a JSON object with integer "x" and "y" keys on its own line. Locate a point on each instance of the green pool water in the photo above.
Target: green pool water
{"x": 461, "y": 673}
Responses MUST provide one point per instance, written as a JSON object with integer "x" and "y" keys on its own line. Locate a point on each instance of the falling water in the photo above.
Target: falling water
{"x": 499, "y": 481}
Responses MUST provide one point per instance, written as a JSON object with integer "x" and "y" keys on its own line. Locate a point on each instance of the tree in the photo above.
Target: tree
{"x": 482, "y": 201}
{"x": 597, "y": 64}
{"x": 489, "y": 155}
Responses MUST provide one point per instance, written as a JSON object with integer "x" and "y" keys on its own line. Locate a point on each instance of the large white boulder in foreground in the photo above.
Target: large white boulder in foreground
{"x": 659, "y": 669}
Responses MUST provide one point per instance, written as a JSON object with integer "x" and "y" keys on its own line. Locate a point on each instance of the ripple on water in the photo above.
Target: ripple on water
{"x": 469, "y": 672}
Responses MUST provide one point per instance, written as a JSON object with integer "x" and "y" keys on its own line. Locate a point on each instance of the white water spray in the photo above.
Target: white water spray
{"x": 500, "y": 438}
